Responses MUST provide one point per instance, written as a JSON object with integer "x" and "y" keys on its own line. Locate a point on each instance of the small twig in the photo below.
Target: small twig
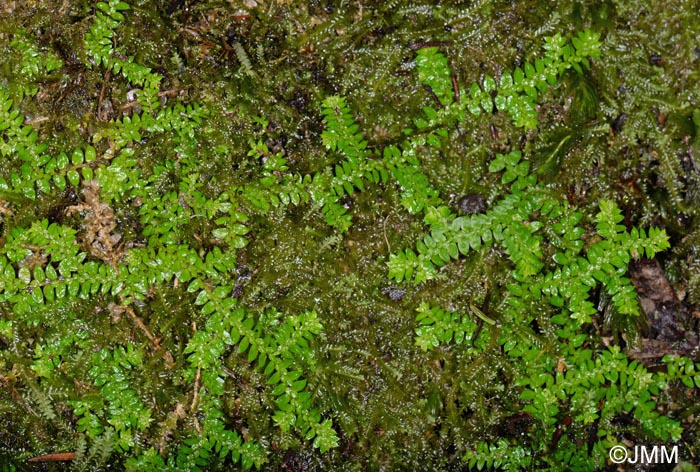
{"x": 130, "y": 105}
{"x": 195, "y": 399}
{"x": 455, "y": 86}
{"x": 385, "y": 238}
{"x": 195, "y": 396}
{"x": 173, "y": 91}
{"x": 197, "y": 378}
{"x": 56, "y": 457}
{"x": 32, "y": 247}
{"x": 37, "y": 120}
{"x": 142, "y": 326}
{"x": 228, "y": 372}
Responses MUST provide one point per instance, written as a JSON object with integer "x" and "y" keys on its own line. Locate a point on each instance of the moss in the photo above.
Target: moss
{"x": 262, "y": 74}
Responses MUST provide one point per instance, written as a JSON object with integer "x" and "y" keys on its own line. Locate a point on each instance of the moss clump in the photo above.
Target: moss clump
{"x": 210, "y": 221}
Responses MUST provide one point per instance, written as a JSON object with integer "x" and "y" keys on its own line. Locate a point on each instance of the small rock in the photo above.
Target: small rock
{"x": 619, "y": 122}
{"x": 471, "y": 204}
{"x": 395, "y": 294}
{"x": 656, "y": 60}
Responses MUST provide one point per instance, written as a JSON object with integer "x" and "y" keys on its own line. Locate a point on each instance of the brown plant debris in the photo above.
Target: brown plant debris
{"x": 99, "y": 237}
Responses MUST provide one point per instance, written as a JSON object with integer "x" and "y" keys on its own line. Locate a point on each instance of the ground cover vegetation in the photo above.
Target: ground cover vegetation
{"x": 337, "y": 236}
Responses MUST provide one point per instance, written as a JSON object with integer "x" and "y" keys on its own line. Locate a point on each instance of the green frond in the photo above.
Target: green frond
{"x": 501, "y": 455}
{"x": 120, "y": 407}
{"x": 509, "y": 223}
{"x": 342, "y": 133}
{"x": 434, "y": 71}
{"x": 437, "y": 327}
{"x": 277, "y": 353}
{"x": 98, "y": 41}
{"x": 34, "y": 65}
